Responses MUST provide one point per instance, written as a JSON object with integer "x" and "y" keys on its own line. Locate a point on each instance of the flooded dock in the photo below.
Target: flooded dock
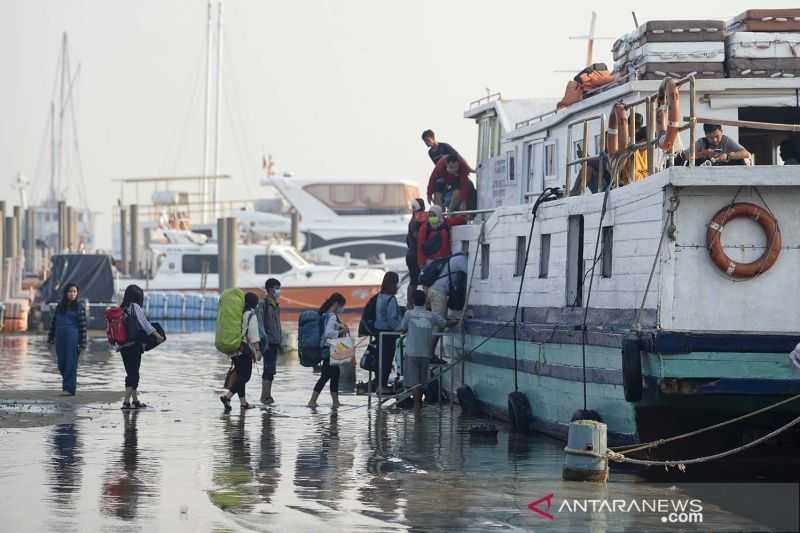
{"x": 181, "y": 464}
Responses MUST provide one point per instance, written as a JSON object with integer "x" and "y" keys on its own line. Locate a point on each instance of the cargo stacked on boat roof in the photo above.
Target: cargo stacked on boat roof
{"x": 673, "y": 48}
{"x": 764, "y": 43}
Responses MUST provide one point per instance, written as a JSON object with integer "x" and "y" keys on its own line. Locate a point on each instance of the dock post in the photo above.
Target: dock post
{"x": 231, "y": 237}
{"x": 12, "y": 236}
{"x": 123, "y": 239}
{"x": 62, "y": 230}
{"x": 30, "y": 240}
{"x": 295, "y": 229}
{"x": 18, "y": 222}
{"x": 2, "y": 245}
{"x": 221, "y": 251}
{"x": 134, "y": 268}
{"x": 70, "y": 246}
{"x": 587, "y": 446}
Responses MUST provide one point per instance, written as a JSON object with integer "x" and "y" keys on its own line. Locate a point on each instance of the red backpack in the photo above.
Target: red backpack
{"x": 116, "y": 331}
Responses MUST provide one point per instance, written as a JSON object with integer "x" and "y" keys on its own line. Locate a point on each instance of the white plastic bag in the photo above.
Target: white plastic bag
{"x": 343, "y": 350}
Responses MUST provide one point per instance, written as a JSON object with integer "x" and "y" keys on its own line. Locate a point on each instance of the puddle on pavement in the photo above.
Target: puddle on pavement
{"x": 183, "y": 465}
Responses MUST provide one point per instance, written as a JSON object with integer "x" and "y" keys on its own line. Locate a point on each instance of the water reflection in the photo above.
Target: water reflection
{"x": 65, "y": 464}
{"x": 269, "y": 460}
{"x": 324, "y": 464}
{"x": 130, "y": 479}
{"x": 233, "y": 469}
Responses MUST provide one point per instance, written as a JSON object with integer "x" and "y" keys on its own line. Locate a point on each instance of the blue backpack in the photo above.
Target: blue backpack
{"x": 309, "y": 338}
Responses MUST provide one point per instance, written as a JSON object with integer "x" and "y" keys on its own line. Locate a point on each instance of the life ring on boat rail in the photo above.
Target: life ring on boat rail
{"x": 669, "y": 104}
{"x": 767, "y": 222}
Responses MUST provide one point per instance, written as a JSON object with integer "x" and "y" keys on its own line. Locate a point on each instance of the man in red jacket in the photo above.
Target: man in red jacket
{"x": 449, "y": 185}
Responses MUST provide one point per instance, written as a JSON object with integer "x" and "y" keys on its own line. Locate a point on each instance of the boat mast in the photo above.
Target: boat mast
{"x": 204, "y": 180}
{"x": 217, "y": 112}
{"x": 56, "y": 192}
{"x": 52, "y": 153}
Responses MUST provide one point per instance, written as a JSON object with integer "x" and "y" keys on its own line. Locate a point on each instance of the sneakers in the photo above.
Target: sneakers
{"x": 226, "y": 402}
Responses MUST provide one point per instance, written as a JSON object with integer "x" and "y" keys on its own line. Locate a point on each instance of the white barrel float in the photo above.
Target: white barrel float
{"x": 585, "y": 459}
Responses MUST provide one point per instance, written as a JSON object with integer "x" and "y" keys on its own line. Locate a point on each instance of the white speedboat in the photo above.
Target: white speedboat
{"x": 188, "y": 262}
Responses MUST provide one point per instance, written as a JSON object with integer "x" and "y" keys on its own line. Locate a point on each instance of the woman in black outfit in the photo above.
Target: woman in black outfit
{"x": 332, "y": 328}
{"x": 139, "y": 329}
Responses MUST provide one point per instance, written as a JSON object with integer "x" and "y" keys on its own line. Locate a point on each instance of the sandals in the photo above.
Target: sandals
{"x": 139, "y": 405}
{"x": 126, "y": 406}
{"x": 226, "y": 402}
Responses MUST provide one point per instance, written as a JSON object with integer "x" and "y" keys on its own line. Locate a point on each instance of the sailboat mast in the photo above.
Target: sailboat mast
{"x": 217, "y": 118}
{"x": 62, "y": 97}
{"x": 52, "y": 153}
{"x": 204, "y": 181}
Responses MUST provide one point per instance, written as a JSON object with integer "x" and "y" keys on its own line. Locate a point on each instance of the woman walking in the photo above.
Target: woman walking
{"x": 243, "y": 359}
{"x": 139, "y": 329}
{"x": 333, "y": 328}
{"x": 68, "y": 333}
{"x": 388, "y": 316}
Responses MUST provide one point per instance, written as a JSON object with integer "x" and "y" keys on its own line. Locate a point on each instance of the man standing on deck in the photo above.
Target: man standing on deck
{"x": 437, "y": 150}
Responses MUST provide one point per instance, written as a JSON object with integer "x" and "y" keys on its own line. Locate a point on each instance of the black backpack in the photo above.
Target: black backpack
{"x": 457, "y": 295}
{"x": 366, "y": 326}
{"x": 432, "y": 272}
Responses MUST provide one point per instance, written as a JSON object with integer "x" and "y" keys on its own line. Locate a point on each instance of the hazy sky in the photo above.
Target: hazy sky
{"x": 328, "y": 87}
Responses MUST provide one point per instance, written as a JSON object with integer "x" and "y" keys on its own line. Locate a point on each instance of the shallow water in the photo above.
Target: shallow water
{"x": 184, "y": 465}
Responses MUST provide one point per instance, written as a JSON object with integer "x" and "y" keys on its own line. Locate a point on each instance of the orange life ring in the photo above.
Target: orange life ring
{"x": 668, "y": 102}
{"x": 768, "y": 223}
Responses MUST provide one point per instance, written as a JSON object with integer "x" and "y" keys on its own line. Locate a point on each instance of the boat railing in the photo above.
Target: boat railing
{"x": 192, "y": 212}
{"x": 532, "y": 120}
{"x": 494, "y": 97}
{"x": 649, "y": 102}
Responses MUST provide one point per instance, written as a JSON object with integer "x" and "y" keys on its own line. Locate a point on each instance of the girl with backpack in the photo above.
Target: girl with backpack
{"x": 243, "y": 359}
{"x": 388, "y": 316}
{"x": 332, "y": 328}
{"x": 139, "y": 330}
{"x": 68, "y": 334}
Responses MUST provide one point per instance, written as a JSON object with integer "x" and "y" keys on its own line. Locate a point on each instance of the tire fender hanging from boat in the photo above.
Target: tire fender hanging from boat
{"x": 632, "y": 368}
{"x": 519, "y": 411}
{"x": 767, "y": 222}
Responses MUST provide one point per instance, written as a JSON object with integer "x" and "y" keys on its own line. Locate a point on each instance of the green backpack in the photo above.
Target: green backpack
{"x": 228, "y": 336}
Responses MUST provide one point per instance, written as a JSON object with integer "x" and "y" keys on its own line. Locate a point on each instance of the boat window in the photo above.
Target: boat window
{"x": 544, "y": 256}
{"x": 575, "y": 261}
{"x": 550, "y": 159}
{"x": 485, "y": 256}
{"x": 272, "y": 264}
{"x": 488, "y": 138}
{"x": 521, "y": 249}
{"x": 510, "y": 165}
{"x": 364, "y": 198}
{"x": 199, "y": 263}
{"x": 370, "y": 251}
{"x": 607, "y": 251}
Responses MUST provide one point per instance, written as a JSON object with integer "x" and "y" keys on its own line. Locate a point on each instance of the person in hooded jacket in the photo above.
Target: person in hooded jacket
{"x": 434, "y": 238}
{"x": 419, "y": 217}
{"x": 68, "y": 334}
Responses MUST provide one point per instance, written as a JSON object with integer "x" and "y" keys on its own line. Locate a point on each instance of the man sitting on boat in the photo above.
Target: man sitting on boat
{"x": 718, "y": 149}
{"x": 790, "y": 150}
{"x": 449, "y": 186}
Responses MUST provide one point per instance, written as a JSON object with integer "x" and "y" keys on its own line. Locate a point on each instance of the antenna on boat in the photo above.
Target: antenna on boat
{"x": 590, "y": 38}
{"x": 635, "y": 20}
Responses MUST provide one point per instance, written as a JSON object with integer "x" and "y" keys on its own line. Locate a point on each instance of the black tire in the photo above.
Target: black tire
{"x": 432, "y": 392}
{"x": 587, "y": 414}
{"x": 468, "y": 401}
{"x": 519, "y": 412}
{"x": 632, "y": 368}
